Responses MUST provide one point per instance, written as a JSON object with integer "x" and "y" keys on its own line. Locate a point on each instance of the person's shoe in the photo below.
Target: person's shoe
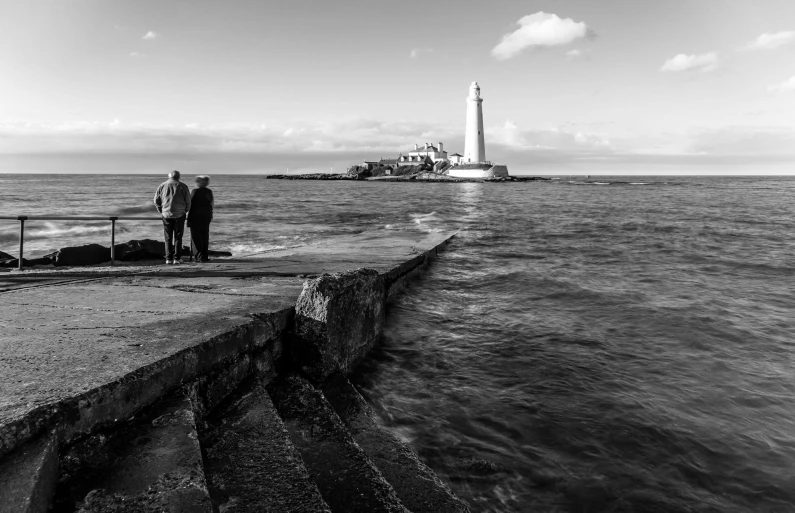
{"x": 169, "y": 261}
{"x": 177, "y": 261}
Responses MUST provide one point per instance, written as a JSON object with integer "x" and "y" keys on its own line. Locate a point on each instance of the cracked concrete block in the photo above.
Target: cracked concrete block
{"x": 338, "y": 319}
{"x": 28, "y": 477}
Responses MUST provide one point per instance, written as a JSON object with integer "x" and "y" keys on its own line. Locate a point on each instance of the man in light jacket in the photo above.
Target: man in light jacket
{"x": 172, "y": 200}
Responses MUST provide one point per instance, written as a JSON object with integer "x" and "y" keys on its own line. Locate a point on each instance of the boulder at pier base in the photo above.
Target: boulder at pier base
{"x": 338, "y": 319}
{"x": 81, "y": 255}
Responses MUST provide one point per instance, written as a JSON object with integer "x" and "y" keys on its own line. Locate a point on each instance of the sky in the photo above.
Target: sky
{"x": 580, "y": 86}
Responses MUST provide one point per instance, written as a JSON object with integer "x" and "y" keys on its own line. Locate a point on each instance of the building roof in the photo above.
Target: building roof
{"x": 423, "y": 148}
{"x": 456, "y": 155}
{"x": 388, "y": 162}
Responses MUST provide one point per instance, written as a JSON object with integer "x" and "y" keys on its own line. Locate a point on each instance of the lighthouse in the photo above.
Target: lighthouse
{"x": 474, "y": 164}
{"x": 474, "y": 144}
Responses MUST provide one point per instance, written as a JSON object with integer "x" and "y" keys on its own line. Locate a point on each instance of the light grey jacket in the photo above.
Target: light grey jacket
{"x": 172, "y": 199}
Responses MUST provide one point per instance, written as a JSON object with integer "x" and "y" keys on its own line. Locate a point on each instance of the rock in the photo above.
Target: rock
{"x": 146, "y": 249}
{"x": 81, "y": 255}
{"x": 338, "y": 319}
{"x": 26, "y": 262}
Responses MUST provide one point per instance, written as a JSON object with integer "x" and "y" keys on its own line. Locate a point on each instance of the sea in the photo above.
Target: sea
{"x": 583, "y": 345}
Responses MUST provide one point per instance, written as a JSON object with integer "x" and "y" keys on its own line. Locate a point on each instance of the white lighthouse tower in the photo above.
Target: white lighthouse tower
{"x": 474, "y": 144}
{"x": 474, "y": 163}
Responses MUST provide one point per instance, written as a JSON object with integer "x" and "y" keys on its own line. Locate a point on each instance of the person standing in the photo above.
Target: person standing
{"x": 172, "y": 200}
{"x": 199, "y": 217}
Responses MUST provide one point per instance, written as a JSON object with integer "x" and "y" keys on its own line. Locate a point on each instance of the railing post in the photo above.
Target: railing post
{"x": 113, "y": 240}
{"x": 21, "y": 239}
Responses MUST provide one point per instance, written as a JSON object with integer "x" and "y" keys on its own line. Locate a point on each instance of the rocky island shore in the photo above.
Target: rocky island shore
{"x": 416, "y": 177}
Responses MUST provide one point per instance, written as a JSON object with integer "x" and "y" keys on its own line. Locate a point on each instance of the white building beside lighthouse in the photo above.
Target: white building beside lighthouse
{"x": 474, "y": 164}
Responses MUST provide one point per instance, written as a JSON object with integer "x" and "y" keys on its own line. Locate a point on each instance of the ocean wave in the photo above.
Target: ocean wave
{"x": 52, "y": 230}
{"x": 143, "y": 208}
{"x": 245, "y": 249}
{"x": 424, "y": 222}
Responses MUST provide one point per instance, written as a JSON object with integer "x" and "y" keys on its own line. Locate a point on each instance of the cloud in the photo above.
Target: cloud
{"x": 416, "y": 52}
{"x": 703, "y": 61}
{"x": 540, "y": 29}
{"x": 786, "y": 86}
{"x": 137, "y": 54}
{"x": 577, "y": 53}
{"x": 513, "y": 137}
{"x": 151, "y": 35}
{"x": 357, "y": 136}
{"x": 742, "y": 140}
{"x": 769, "y": 41}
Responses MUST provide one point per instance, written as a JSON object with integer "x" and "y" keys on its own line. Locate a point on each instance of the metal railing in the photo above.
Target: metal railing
{"x": 112, "y": 220}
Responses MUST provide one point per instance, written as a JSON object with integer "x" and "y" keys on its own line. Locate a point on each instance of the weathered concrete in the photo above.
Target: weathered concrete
{"x": 85, "y": 348}
{"x": 414, "y": 482}
{"x": 154, "y": 467}
{"x": 28, "y": 477}
{"x": 251, "y": 464}
{"x": 346, "y": 478}
{"x": 338, "y": 319}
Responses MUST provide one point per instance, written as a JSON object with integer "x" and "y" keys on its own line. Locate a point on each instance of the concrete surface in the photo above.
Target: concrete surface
{"x": 346, "y": 478}
{"x": 251, "y": 465}
{"x": 28, "y": 477}
{"x": 338, "y": 319}
{"x": 84, "y": 348}
{"x": 152, "y": 468}
{"x": 414, "y": 482}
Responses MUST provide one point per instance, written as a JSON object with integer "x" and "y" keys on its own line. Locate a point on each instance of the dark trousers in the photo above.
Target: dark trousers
{"x": 200, "y": 237}
{"x": 173, "y": 228}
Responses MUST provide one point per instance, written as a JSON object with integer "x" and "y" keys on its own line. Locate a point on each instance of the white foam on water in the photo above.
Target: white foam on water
{"x": 424, "y": 222}
{"x": 243, "y": 249}
{"x": 53, "y": 230}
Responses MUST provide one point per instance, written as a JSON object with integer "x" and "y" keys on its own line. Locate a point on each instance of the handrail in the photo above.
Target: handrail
{"x": 112, "y": 220}
{"x": 77, "y": 218}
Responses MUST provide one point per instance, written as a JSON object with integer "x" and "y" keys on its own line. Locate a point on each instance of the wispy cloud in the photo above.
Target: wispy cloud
{"x": 514, "y": 137}
{"x": 784, "y": 87}
{"x": 416, "y": 52}
{"x": 682, "y": 62}
{"x": 150, "y": 35}
{"x": 356, "y": 135}
{"x": 770, "y": 41}
{"x": 537, "y": 30}
{"x": 577, "y": 53}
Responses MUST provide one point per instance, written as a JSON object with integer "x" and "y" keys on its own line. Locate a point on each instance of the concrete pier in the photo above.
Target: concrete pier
{"x": 84, "y": 351}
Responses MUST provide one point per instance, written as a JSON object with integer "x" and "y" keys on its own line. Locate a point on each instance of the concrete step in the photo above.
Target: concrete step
{"x": 415, "y": 483}
{"x": 154, "y": 464}
{"x": 28, "y": 477}
{"x": 346, "y": 478}
{"x": 250, "y": 463}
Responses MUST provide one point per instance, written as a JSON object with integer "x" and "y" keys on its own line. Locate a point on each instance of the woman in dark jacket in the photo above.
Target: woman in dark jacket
{"x": 199, "y": 217}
